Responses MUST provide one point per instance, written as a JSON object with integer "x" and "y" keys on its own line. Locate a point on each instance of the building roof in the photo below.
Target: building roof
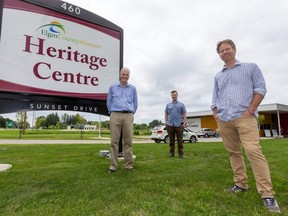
{"x": 272, "y": 108}
{"x": 268, "y": 108}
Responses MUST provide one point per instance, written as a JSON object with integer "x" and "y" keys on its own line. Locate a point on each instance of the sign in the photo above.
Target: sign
{"x": 9, "y": 124}
{"x": 267, "y": 133}
{"x": 56, "y": 56}
{"x": 194, "y": 124}
{"x": 274, "y": 132}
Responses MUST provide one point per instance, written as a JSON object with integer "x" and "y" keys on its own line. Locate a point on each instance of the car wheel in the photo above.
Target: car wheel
{"x": 157, "y": 141}
{"x": 166, "y": 139}
{"x": 206, "y": 135}
{"x": 192, "y": 139}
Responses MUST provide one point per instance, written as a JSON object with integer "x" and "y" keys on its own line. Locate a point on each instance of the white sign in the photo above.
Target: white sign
{"x": 194, "y": 124}
{"x": 267, "y": 133}
{"x": 54, "y": 54}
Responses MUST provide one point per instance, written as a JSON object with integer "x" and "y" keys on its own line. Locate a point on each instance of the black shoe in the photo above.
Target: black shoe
{"x": 235, "y": 189}
{"x": 171, "y": 155}
{"x": 271, "y": 204}
{"x": 111, "y": 171}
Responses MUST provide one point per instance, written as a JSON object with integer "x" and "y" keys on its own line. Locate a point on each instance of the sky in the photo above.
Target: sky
{"x": 171, "y": 44}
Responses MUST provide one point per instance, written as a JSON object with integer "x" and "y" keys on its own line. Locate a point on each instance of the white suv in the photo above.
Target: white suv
{"x": 206, "y": 132}
{"x": 159, "y": 133}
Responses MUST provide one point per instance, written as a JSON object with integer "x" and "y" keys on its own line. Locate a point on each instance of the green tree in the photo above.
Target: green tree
{"x": 155, "y": 123}
{"x": 144, "y": 126}
{"x": 2, "y": 122}
{"x": 52, "y": 119}
{"x": 22, "y": 122}
{"x": 93, "y": 123}
{"x": 80, "y": 119}
{"x": 140, "y": 126}
{"x": 261, "y": 119}
{"x": 68, "y": 119}
{"x": 41, "y": 122}
{"x": 105, "y": 124}
{"x": 65, "y": 118}
{"x": 57, "y": 126}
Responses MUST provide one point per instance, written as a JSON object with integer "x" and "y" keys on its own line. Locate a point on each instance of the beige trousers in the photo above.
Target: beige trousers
{"x": 243, "y": 132}
{"x": 121, "y": 122}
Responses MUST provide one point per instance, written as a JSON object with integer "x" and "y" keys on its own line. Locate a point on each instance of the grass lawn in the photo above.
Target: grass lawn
{"x": 73, "y": 180}
{"x": 52, "y": 134}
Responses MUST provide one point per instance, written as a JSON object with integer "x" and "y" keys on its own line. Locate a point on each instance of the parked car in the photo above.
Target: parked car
{"x": 159, "y": 133}
{"x": 206, "y": 132}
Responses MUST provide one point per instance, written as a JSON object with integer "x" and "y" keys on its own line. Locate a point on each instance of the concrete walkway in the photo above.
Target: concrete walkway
{"x": 143, "y": 139}
{"x": 96, "y": 141}
{"x": 21, "y": 141}
{"x": 5, "y": 167}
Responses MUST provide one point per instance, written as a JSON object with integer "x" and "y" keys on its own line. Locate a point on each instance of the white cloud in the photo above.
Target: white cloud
{"x": 171, "y": 45}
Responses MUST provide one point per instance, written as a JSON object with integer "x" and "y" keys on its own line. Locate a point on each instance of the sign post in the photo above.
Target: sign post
{"x": 56, "y": 56}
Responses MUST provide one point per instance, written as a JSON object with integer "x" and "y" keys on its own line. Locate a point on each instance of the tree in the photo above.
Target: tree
{"x": 69, "y": 119}
{"x": 140, "y": 126}
{"x": 65, "y": 118}
{"x": 155, "y": 123}
{"x": 80, "y": 119}
{"x": 105, "y": 124}
{"x": 52, "y": 119}
{"x": 22, "y": 122}
{"x": 2, "y": 122}
{"x": 41, "y": 122}
{"x": 93, "y": 123}
{"x": 261, "y": 119}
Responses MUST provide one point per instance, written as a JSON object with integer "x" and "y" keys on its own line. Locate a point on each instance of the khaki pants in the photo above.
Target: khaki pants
{"x": 244, "y": 132}
{"x": 121, "y": 121}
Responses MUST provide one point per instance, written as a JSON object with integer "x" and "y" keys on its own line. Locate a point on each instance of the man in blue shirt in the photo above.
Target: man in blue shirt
{"x": 175, "y": 120}
{"x": 239, "y": 88}
{"x": 122, "y": 103}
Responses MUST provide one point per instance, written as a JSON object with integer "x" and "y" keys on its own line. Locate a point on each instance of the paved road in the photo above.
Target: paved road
{"x": 96, "y": 141}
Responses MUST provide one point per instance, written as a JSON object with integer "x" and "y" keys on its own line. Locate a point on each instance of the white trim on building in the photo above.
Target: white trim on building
{"x": 268, "y": 108}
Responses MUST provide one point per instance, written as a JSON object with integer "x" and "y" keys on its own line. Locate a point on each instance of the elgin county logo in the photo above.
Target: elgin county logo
{"x": 52, "y": 30}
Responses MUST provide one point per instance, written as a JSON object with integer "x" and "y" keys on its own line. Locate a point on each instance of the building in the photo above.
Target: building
{"x": 275, "y": 120}
{"x": 82, "y": 127}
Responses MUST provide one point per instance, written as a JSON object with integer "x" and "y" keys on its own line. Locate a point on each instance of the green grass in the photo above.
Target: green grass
{"x": 52, "y": 134}
{"x": 73, "y": 180}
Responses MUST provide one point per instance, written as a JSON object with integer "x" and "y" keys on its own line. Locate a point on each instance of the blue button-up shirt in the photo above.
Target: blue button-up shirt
{"x": 122, "y": 98}
{"x": 234, "y": 89}
{"x": 175, "y": 111}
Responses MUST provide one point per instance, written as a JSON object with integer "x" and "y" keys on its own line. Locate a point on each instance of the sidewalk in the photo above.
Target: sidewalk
{"x": 4, "y": 167}
{"x": 96, "y": 141}
{"x": 21, "y": 141}
{"x": 139, "y": 140}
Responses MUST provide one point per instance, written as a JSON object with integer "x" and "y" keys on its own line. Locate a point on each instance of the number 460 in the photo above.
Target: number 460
{"x": 71, "y": 8}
